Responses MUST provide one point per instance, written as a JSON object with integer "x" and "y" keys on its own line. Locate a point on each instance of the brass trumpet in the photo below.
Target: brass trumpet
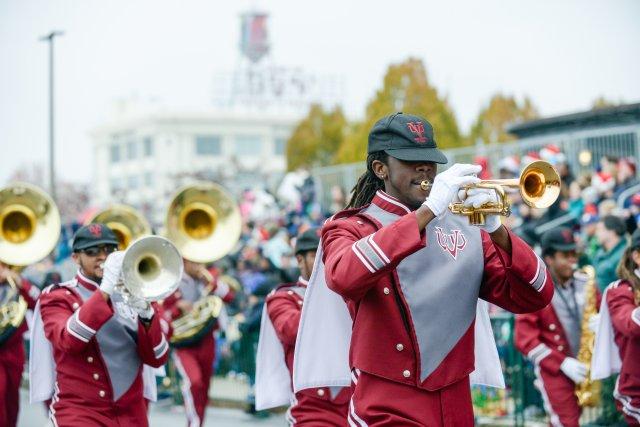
{"x": 539, "y": 186}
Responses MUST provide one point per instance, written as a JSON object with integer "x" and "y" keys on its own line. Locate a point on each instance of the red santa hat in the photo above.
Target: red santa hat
{"x": 552, "y": 154}
{"x": 530, "y": 157}
{"x": 510, "y": 163}
{"x": 603, "y": 181}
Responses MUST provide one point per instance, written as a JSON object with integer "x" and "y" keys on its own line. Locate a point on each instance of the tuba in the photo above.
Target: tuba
{"x": 539, "y": 186}
{"x": 29, "y": 230}
{"x": 588, "y": 391}
{"x": 204, "y": 222}
{"x": 127, "y": 223}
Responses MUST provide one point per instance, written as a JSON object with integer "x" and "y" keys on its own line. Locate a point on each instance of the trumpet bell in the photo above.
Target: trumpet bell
{"x": 127, "y": 223}
{"x": 539, "y": 184}
{"x": 203, "y": 221}
{"x": 152, "y": 268}
{"x": 29, "y": 224}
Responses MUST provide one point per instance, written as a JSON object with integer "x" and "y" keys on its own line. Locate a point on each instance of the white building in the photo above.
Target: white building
{"x": 142, "y": 160}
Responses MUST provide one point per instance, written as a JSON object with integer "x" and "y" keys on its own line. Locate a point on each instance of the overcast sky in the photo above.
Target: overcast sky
{"x": 563, "y": 54}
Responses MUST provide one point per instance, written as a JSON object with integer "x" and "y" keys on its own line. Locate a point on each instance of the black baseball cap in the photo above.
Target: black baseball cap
{"x": 93, "y": 235}
{"x": 405, "y": 137}
{"x": 308, "y": 241}
{"x": 559, "y": 239}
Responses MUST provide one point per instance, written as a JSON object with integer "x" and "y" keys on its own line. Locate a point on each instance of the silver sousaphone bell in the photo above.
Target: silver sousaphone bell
{"x": 151, "y": 269}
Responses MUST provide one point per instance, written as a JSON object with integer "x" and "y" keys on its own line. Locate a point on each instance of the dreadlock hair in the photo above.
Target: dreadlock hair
{"x": 626, "y": 269}
{"x": 368, "y": 183}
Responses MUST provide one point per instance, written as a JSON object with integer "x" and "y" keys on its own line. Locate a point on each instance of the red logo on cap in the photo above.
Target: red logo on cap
{"x": 567, "y": 236}
{"x": 418, "y": 129}
{"x": 95, "y": 229}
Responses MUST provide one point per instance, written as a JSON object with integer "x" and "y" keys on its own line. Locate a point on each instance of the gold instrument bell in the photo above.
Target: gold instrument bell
{"x": 29, "y": 231}
{"x": 539, "y": 186}
{"x": 204, "y": 223}
{"x": 127, "y": 223}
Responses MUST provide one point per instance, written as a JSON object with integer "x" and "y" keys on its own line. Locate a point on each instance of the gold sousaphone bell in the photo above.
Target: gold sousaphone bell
{"x": 539, "y": 186}
{"x": 127, "y": 223}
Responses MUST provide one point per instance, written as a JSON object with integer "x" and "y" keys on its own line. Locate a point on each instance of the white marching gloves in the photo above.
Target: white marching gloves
{"x": 594, "y": 322}
{"x": 446, "y": 185}
{"x": 477, "y": 197}
{"x": 112, "y": 272}
{"x": 574, "y": 369}
{"x": 142, "y": 307}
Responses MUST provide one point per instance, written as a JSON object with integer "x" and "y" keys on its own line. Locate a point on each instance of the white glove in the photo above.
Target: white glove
{"x": 477, "y": 197}
{"x": 112, "y": 272}
{"x": 594, "y": 322}
{"x": 574, "y": 369}
{"x": 142, "y": 307}
{"x": 446, "y": 185}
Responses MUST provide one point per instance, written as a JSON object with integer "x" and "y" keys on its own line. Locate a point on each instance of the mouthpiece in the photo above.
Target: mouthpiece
{"x": 426, "y": 185}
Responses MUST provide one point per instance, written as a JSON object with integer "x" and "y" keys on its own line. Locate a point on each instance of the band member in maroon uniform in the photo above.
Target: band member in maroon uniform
{"x": 195, "y": 362}
{"x": 12, "y": 355}
{"x": 99, "y": 342}
{"x": 411, "y": 273}
{"x": 327, "y": 406}
{"x": 623, "y": 301}
{"x": 550, "y": 338}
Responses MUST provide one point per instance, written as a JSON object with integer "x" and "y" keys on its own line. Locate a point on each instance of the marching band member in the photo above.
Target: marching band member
{"x": 12, "y": 355}
{"x": 195, "y": 362}
{"x": 411, "y": 274}
{"x": 327, "y": 406}
{"x": 98, "y": 342}
{"x": 617, "y": 346}
{"x": 550, "y": 338}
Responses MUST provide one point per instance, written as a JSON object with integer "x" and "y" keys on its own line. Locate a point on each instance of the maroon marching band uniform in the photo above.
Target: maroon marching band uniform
{"x": 546, "y": 338}
{"x": 12, "y": 359}
{"x": 195, "y": 363}
{"x": 327, "y": 406}
{"x": 625, "y": 317}
{"x": 363, "y": 260}
{"x": 98, "y": 359}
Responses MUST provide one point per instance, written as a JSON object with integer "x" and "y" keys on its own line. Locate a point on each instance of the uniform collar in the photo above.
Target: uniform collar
{"x": 390, "y": 203}
{"x": 86, "y": 282}
{"x": 302, "y": 282}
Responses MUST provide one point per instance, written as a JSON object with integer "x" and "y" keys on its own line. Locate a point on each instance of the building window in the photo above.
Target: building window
{"x": 114, "y": 151}
{"x": 248, "y": 146}
{"x": 132, "y": 182}
{"x": 147, "y": 144}
{"x": 148, "y": 179}
{"x": 131, "y": 150}
{"x": 115, "y": 184}
{"x": 280, "y": 147}
{"x": 208, "y": 145}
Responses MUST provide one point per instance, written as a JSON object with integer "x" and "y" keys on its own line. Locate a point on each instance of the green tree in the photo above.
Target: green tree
{"x": 405, "y": 88}
{"x": 602, "y": 102}
{"x": 490, "y": 126}
{"x": 315, "y": 141}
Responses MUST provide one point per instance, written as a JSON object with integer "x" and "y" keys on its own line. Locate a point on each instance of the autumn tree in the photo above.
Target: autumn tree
{"x": 315, "y": 141}
{"x": 490, "y": 126}
{"x": 602, "y": 102}
{"x": 405, "y": 88}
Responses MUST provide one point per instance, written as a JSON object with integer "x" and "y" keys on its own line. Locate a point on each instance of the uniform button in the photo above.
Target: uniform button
{"x": 90, "y": 359}
{"x": 320, "y": 392}
{"x": 299, "y": 302}
{"x": 552, "y": 327}
{"x": 75, "y": 305}
{"x": 406, "y": 373}
{"x": 290, "y": 292}
{"x": 68, "y": 293}
{"x": 359, "y": 222}
{"x": 556, "y": 337}
{"x": 102, "y": 393}
{"x": 96, "y": 376}
{"x": 560, "y": 347}
{"x": 399, "y": 347}
{"x": 386, "y": 291}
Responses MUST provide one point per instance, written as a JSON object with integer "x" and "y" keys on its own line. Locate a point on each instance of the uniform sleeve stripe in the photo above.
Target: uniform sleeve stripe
{"x": 161, "y": 349}
{"x": 376, "y": 248}
{"x": 77, "y": 317}
{"x": 76, "y": 333}
{"x": 635, "y": 316}
{"x": 162, "y": 342}
{"x": 362, "y": 259}
{"x": 540, "y": 278}
{"x": 76, "y": 328}
{"x": 34, "y": 292}
{"x": 370, "y": 254}
{"x": 537, "y": 351}
{"x": 541, "y": 357}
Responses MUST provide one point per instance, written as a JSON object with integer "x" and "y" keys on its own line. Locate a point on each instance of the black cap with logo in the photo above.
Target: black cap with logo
{"x": 405, "y": 137}
{"x": 308, "y": 241}
{"x": 93, "y": 235}
{"x": 559, "y": 239}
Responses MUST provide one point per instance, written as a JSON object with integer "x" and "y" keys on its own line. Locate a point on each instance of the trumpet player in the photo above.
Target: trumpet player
{"x": 98, "y": 343}
{"x": 195, "y": 362}
{"x": 550, "y": 338}
{"x": 411, "y": 273}
{"x": 12, "y": 355}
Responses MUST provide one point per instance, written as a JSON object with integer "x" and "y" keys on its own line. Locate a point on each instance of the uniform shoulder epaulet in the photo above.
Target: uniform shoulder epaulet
{"x": 63, "y": 285}
{"x": 346, "y": 213}
{"x": 281, "y": 287}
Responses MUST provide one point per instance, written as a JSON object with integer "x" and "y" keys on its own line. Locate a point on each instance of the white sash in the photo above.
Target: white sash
{"x": 606, "y": 355}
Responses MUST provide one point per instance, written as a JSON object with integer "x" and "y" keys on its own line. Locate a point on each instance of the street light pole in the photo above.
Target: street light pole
{"x": 52, "y": 185}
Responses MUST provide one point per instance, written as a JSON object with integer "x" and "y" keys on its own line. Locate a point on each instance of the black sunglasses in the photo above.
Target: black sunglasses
{"x": 95, "y": 250}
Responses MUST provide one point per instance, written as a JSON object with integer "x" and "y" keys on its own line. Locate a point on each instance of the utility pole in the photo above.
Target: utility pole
{"x": 52, "y": 175}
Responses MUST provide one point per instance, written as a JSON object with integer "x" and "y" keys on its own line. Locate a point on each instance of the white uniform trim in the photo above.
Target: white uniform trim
{"x": 627, "y": 407}
{"x": 192, "y": 415}
{"x": 554, "y": 420}
{"x": 390, "y": 199}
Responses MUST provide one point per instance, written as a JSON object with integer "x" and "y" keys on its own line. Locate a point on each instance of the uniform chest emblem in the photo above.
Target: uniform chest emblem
{"x": 452, "y": 243}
